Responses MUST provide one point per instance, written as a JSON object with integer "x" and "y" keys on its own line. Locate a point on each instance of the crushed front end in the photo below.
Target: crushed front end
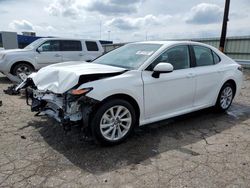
{"x": 69, "y": 108}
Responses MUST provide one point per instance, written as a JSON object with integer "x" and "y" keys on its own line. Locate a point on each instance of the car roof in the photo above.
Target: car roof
{"x": 166, "y": 44}
{"x": 171, "y": 42}
{"x": 58, "y": 38}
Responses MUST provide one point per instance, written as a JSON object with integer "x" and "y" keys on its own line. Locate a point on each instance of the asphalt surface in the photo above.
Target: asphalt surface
{"x": 202, "y": 149}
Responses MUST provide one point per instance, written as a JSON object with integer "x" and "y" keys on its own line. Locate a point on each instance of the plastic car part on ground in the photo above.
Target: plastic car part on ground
{"x": 11, "y": 90}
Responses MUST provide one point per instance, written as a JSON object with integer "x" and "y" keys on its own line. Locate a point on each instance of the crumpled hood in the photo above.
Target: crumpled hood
{"x": 61, "y": 77}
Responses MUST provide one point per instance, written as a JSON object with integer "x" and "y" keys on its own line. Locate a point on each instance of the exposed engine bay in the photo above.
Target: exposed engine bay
{"x": 67, "y": 109}
{"x": 70, "y": 106}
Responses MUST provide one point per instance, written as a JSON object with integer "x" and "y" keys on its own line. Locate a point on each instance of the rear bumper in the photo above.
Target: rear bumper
{"x": 239, "y": 82}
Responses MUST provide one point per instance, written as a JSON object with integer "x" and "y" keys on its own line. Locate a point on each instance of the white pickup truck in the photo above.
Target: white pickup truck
{"x": 47, "y": 51}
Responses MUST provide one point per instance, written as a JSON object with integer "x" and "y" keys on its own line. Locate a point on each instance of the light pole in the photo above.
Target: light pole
{"x": 100, "y": 29}
{"x": 109, "y": 35}
{"x": 224, "y": 26}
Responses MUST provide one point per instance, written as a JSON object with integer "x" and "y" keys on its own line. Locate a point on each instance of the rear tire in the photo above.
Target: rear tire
{"x": 225, "y": 97}
{"x": 113, "y": 122}
{"x": 22, "y": 68}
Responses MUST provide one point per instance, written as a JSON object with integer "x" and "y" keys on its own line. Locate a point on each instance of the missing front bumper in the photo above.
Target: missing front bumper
{"x": 66, "y": 110}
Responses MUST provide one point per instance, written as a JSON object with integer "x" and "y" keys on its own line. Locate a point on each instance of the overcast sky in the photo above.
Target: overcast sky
{"x": 127, "y": 20}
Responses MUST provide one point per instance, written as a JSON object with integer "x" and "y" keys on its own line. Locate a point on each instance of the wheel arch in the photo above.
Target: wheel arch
{"x": 125, "y": 97}
{"x": 18, "y": 62}
{"x": 128, "y": 98}
{"x": 233, "y": 83}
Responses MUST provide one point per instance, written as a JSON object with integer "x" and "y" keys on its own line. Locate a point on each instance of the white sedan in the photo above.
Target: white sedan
{"x": 137, "y": 84}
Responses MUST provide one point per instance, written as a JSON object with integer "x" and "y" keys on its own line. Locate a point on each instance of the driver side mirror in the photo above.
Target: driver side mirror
{"x": 162, "y": 68}
{"x": 39, "y": 50}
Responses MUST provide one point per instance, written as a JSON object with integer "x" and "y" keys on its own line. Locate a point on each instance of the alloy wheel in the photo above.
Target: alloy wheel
{"x": 23, "y": 69}
{"x": 226, "y": 97}
{"x": 115, "y": 123}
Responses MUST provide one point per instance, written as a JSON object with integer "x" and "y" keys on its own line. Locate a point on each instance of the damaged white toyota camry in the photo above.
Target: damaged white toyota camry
{"x": 136, "y": 84}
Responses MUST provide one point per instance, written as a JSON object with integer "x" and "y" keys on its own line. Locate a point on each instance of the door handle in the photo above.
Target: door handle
{"x": 220, "y": 71}
{"x": 57, "y": 55}
{"x": 80, "y": 54}
{"x": 190, "y": 75}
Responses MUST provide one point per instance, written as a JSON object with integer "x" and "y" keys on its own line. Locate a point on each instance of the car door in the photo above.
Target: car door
{"x": 48, "y": 53}
{"x": 207, "y": 75}
{"x": 172, "y": 92}
{"x": 71, "y": 50}
{"x": 92, "y": 50}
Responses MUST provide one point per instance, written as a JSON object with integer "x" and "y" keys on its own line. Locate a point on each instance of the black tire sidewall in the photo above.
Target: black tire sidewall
{"x": 22, "y": 64}
{"x": 218, "y": 105}
{"x": 95, "y": 122}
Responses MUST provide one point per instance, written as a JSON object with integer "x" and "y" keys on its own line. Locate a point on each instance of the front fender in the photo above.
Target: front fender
{"x": 30, "y": 60}
{"x": 129, "y": 83}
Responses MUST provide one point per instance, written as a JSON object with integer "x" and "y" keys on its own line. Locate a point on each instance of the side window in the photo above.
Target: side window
{"x": 71, "y": 45}
{"x": 216, "y": 58}
{"x": 91, "y": 46}
{"x": 50, "y": 46}
{"x": 203, "y": 56}
{"x": 177, "y": 56}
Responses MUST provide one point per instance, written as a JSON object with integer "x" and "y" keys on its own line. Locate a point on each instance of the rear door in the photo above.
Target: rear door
{"x": 49, "y": 53}
{"x": 72, "y": 50}
{"x": 208, "y": 76}
{"x": 92, "y": 50}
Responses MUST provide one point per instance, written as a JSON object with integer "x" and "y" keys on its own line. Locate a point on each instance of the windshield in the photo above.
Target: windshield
{"x": 130, "y": 56}
{"x": 33, "y": 44}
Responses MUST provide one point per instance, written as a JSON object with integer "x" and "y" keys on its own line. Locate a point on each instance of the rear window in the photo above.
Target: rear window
{"x": 203, "y": 55}
{"x": 91, "y": 46}
{"x": 71, "y": 45}
{"x": 216, "y": 58}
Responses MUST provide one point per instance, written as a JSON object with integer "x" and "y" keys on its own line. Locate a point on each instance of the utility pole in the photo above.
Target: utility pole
{"x": 224, "y": 26}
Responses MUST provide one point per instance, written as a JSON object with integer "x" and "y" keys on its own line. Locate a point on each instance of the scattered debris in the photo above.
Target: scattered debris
{"x": 23, "y": 137}
{"x": 23, "y": 76}
{"x": 155, "y": 151}
{"x": 11, "y": 90}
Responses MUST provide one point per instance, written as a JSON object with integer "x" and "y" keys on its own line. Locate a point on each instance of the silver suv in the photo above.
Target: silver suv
{"x": 47, "y": 51}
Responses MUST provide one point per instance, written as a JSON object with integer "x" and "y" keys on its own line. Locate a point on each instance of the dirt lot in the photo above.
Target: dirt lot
{"x": 203, "y": 149}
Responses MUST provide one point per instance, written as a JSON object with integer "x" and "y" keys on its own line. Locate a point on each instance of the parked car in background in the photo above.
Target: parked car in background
{"x": 47, "y": 51}
{"x": 138, "y": 83}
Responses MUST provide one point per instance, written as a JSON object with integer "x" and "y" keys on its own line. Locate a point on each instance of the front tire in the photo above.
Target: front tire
{"x": 113, "y": 122}
{"x": 22, "y": 68}
{"x": 225, "y": 97}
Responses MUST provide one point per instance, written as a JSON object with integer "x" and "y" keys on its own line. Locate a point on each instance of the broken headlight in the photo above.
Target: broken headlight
{"x": 78, "y": 92}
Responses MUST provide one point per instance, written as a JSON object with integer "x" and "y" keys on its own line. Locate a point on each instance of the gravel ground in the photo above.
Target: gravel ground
{"x": 202, "y": 149}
